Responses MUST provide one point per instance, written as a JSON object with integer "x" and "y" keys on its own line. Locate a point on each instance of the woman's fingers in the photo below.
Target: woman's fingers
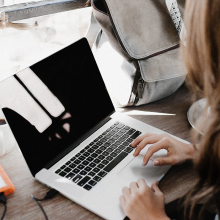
{"x": 156, "y": 189}
{"x": 140, "y": 138}
{"x": 133, "y": 187}
{"x": 126, "y": 192}
{"x": 162, "y": 144}
{"x": 165, "y": 161}
{"x": 145, "y": 141}
{"x": 122, "y": 201}
{"x": 141, "y": 183}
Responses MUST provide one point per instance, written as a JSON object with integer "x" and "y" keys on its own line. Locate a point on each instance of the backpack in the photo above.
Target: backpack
{"x": 137, "y": 50}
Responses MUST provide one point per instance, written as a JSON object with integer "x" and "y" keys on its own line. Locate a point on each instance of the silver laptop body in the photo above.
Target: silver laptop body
{"x": 71, "y": 138}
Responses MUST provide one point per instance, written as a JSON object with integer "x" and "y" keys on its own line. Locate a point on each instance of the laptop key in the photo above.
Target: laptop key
{"x": 83, "y": 181}
{"x": 85, "y": 162}
{"x": 83, "y": 173}
{"x": 105, "y": 153}
{"x": 135, "y": 135}
{"x": 121, "y": 147}
{"x": 72, "y": 159}
{"x": 101, "y": 157}
{"x": 115, "y": 162}
{"x": 114, "y": 146}
{"x": 120, "y": 125}
{"x": 109, "y": 150}
{"x": 63, "y": 167}
{"x": 82, "y": 151}
{"x": 97, "y": 139}
{"x": 129, "y": 149}
{"x": 57, "y": 171}
{"x": 100, "y": 166}
{"x": 129, "y": 140}
{"x": 77, "y": 178}
{"x": 96, "y": 161}
{"x": 92, "y": 164}
{"x": 87, "y": 187}
{"x": 72, "y": 165}
{"x": 91, "y": 150}
{"x": 81, "y": 167}
{"x": 105, "y": 162}
{"x": 102, "y": 174}
{"x": 78, "y": 155}
{"x": 75, "y": 170}
{"x": 77, "y": 161}
{"x": 90, "y": 159}
{"x": 98, "y": 151}
{"x": 81, "y": 158}
{"x": 86, "y": 154}
{"x": 131, "y": 131}
{"x": 109, "y": 158}
{"x": 94, "y": 155}
{"x": 126, "y": 128}
{"x": 127, "y": 143}
{"x": 97, "y": 178}
{"x": 62, "y": 174}
{"x": 96, "y": 146}
{"x": 102, "y": 148}
{"x": 68, "y": 162}
{"x": 110, "y": 141}
{"x": 113, "y": 154}
{"x": 87, "y": 169}
{"x": 92, "y": 182}
{"x": 70, "y": 176}
{"x": 91, "y": 174}
{"x": 96, "y": 170}
{"x": 67, "y": 169}
{"x": 125, "y": 136}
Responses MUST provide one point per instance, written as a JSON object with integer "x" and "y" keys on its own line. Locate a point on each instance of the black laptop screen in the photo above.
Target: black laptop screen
{"x": 62, "y": 97}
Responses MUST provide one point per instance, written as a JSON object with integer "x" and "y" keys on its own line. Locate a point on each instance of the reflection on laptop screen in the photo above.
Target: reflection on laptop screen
{"x": 53, "y": 103}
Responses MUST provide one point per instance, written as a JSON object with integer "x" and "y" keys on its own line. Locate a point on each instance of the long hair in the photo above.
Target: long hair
{"x": 202, "y": 58}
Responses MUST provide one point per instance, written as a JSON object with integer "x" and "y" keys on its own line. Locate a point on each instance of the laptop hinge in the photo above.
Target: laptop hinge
{"x": 76, "y": 143}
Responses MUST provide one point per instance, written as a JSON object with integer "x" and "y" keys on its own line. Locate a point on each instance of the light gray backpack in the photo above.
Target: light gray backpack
{"x": 137, "y": 49}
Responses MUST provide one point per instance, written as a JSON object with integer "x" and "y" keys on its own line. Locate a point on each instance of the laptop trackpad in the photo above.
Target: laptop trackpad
{"x": 150, "y": 173}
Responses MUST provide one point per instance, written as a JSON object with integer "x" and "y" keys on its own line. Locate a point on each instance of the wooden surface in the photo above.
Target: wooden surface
{"x": 177, "y": 181}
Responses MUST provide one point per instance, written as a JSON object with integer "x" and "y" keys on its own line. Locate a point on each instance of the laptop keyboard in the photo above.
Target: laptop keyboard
{"x": 97, "y": 159}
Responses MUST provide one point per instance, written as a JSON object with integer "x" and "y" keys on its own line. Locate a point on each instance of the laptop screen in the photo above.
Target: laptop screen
{"x": 56, "y": 101}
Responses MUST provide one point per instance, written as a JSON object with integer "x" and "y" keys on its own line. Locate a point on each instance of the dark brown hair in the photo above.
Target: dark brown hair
{"x": 202, "y": 58}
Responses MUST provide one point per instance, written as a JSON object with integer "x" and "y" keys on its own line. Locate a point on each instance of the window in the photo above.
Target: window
{"x": 22, "y": 48}
{"x": 23, "y": 9}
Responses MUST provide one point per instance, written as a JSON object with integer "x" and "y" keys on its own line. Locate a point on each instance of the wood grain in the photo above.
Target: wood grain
{"x": 175, "y": 184}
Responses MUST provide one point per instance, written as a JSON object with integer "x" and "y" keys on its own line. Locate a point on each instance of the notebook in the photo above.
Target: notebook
{"x": 69, "y": 133}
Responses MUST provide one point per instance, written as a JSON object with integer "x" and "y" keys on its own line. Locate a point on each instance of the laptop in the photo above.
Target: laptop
{"x": 69, "y": 133}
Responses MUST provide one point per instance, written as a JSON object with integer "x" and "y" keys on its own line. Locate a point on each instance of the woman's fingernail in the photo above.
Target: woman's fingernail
{"x": 143, "y": 164}
{"x": 156, "y": 162}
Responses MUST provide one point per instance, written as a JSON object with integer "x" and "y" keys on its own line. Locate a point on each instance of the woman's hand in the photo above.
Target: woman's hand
{"x": 177, "y": 152}
{"x": 142, "y": 202}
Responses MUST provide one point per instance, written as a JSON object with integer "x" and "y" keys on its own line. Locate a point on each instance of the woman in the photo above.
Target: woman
{"x": 202, "y": 59}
